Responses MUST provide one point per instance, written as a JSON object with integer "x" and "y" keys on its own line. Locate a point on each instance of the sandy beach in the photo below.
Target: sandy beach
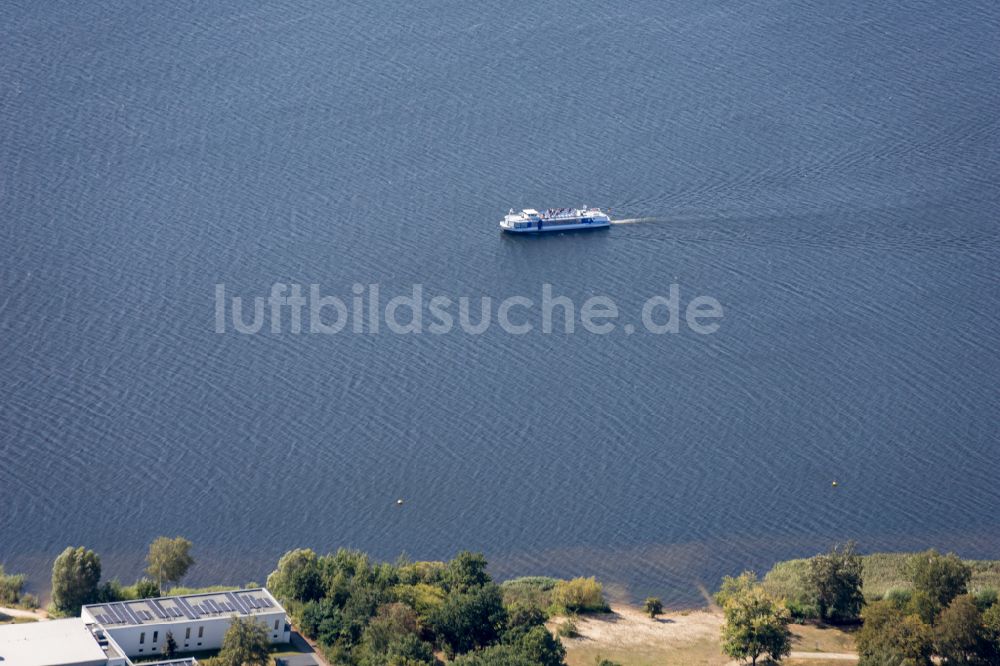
{"x": 628, "y": 636}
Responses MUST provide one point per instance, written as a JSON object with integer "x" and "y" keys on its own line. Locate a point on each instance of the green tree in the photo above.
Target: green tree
{"x": 10, "y": 587}
{"x": 169, "y": 648}
{"x": 75, "y": 575}
{"x": 937, "y": 579}
{"x": 391, "y": 624}
{"x": 653, "y": 607}
{"x": 835, "y": 580}
{"x": 297, "y": 576}
{"x": 406, "y": 650}
{"x": 959, "y": 635}
{"x": 890, "y": 637}
{"x": 470, "y": 620}
{"x": 537, "y": 647}
{"x": 541, "y": 647}
{"x": 522, "y": 617}
{"x": 734, "y": 586}
{"x": 245, "y": 644}
{"x": 169, "y": 559}
{"x": 923, "y": 606}
{"x": 755, "y": 626}
{"x": 466, "y": 571}
{"x": 496, "y": 655}
{"x": 108, "y": 592}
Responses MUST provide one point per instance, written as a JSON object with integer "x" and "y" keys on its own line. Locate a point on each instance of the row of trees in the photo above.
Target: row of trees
{"x": 76, "y": 575}
{"x": 380, "y": 614}
{"x": 935, "y": 616}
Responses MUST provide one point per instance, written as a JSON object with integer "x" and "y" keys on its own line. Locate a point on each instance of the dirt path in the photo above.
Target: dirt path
{"x": 17, "y": 612}
{"x": 829, "y": 656}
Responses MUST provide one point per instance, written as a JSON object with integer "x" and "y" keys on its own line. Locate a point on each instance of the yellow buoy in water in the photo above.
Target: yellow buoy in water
{"x": 834, "y": 484}
{"x": 399, "y": 502}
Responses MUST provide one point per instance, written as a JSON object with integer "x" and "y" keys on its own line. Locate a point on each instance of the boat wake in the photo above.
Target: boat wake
{"x": 633, "y": 220}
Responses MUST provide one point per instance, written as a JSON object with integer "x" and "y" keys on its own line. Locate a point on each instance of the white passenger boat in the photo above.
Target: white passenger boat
{"x": 530, "y": 221}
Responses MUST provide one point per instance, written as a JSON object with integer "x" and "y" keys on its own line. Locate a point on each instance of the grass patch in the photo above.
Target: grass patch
{"x": 587, "y": 653}
{"x": 531, "y": 591}
{"x": 819, "y": 638}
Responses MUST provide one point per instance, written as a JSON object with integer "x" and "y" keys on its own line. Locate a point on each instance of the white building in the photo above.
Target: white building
{"x": 52, "y": 643}
{"x": 196, "y": 621}
{"x": 109, "y": 634}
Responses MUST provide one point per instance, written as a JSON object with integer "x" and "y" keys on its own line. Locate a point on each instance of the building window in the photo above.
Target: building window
{"x": 275, "y": 625}
{"x": 142, "y": 638}
{"x": 156, "y": 636}
{"x": 201, "y": 631}
{"x": 187, "y": 633}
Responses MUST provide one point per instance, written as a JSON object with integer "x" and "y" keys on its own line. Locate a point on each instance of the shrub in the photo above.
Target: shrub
{"x": 580, "y": 595}
{"x": 29, "y": 601}
{"x": 529, "y": 590}
{"x": 10, "y": 587}
{"x": 899, "y": 597}
{"x": 521, "y": 618}
{"x": 421, "y": 597}
{"x": 985, "y": 598}
{"x": 653, "y": 606}
{"x": 421, "y": 572}
{"x": 146, "y": 589}
{"x": 568, "y": 629}
{"x": 801, "y": 611}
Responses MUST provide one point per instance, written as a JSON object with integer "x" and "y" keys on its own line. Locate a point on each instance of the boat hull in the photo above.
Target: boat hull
{"x": 555, "y": 228}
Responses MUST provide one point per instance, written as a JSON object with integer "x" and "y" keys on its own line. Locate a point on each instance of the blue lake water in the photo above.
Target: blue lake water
{"x": 827, "y": 171}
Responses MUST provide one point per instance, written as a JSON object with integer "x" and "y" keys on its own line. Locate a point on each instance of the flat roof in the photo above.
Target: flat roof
{"x": 49, "y": 643}
{"x": 184, "y": 608}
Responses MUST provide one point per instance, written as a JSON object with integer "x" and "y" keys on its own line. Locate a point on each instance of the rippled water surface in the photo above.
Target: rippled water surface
{"x": 827, "y": 171}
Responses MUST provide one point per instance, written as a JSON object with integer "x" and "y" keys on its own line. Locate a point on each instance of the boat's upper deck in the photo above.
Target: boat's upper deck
{"x": 554, "y": 214}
